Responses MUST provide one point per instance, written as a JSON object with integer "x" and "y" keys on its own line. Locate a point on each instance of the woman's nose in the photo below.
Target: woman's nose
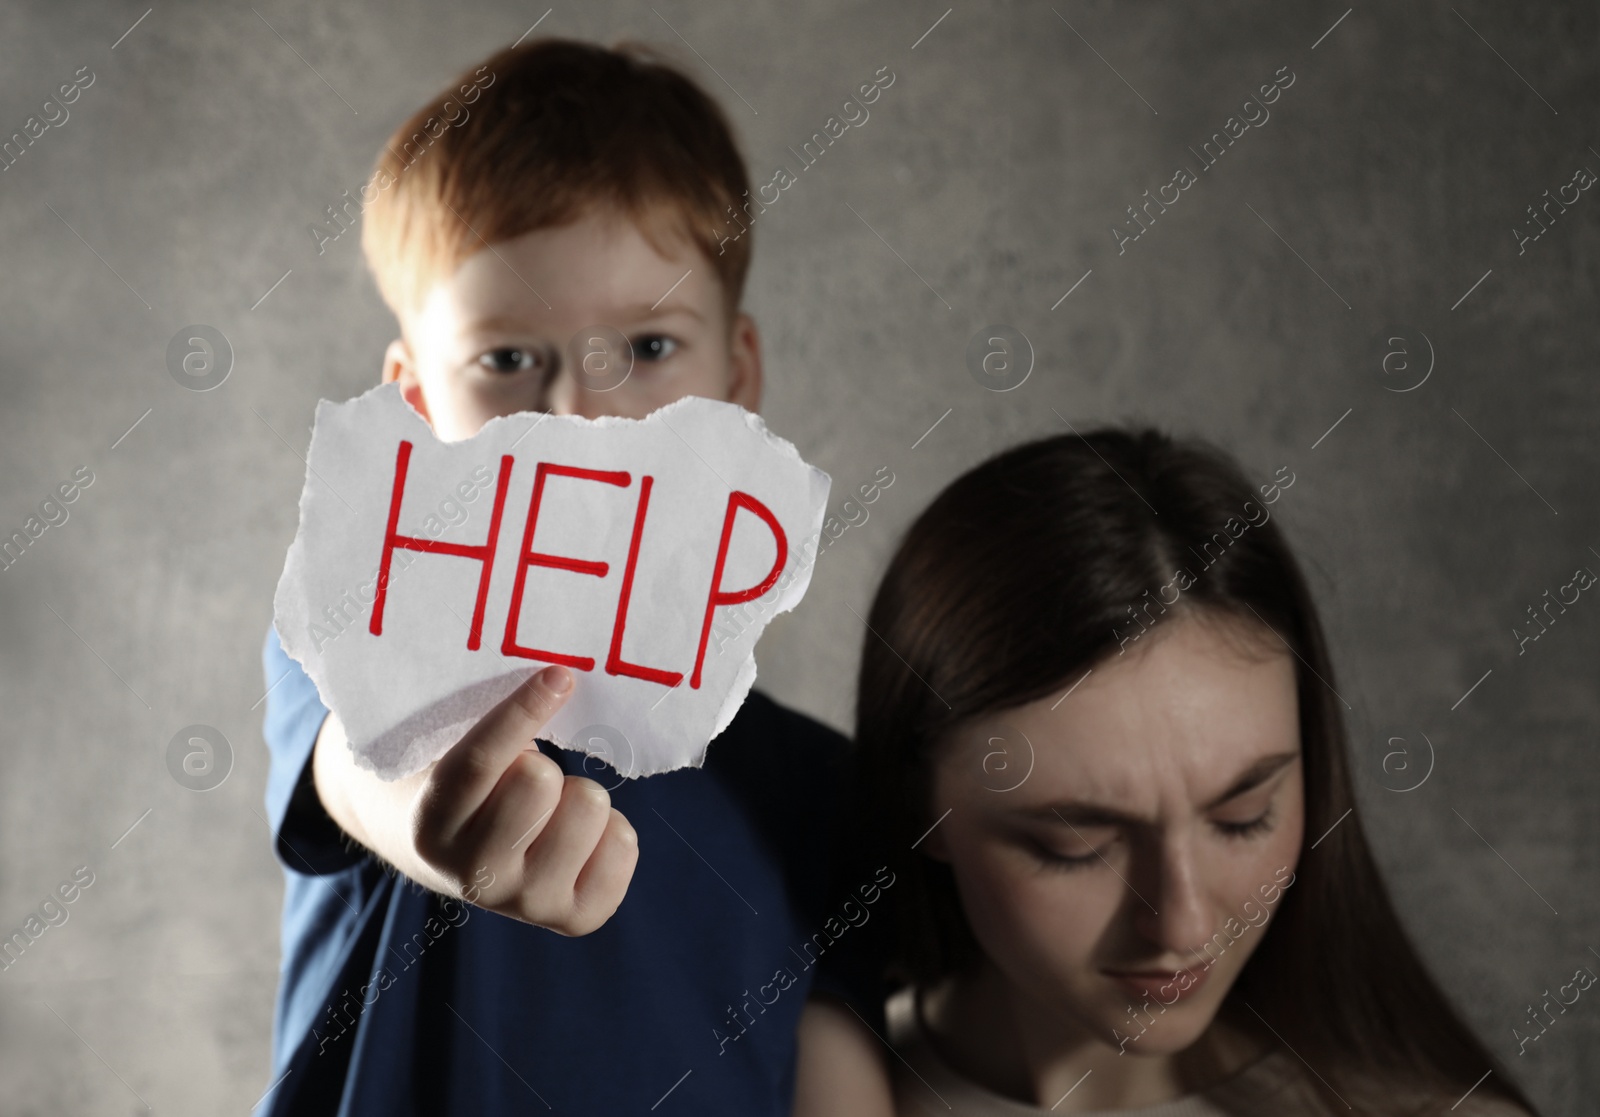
{"x": 1176, "y": 914}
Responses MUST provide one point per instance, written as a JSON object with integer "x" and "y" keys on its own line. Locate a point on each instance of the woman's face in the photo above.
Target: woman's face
{"x": 1141, "y": 856}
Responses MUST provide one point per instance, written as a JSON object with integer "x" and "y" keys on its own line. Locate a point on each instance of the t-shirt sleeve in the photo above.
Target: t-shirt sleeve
{"x": 853, "y": 969}
{"x": 305, "y": 838}
{"x": 853, "y": 972}
{"x": 794, "y": 777}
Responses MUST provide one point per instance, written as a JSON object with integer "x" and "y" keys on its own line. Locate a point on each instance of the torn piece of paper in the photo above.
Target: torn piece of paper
{"x": 428, "y": 579}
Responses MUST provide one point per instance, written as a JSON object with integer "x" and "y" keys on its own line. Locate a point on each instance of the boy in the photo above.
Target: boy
{"x": 557, "y": 191}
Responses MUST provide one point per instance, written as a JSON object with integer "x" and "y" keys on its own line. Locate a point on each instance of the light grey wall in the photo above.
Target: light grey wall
{"x": 1387, "y": 181}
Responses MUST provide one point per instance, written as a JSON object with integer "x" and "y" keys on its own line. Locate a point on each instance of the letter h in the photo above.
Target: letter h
{"x": 393, "y": 540}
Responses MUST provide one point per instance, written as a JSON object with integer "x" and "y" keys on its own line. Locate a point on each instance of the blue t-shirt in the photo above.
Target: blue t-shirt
{"x": 396, "y": 1000}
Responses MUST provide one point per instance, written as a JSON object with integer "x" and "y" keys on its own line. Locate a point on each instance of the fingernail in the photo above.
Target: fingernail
{"x": 558, "y": 679}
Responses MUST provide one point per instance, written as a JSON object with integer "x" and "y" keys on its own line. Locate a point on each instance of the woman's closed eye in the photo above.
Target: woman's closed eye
{"x": 1261, "y": 824}
{"x": 1051, "y": 857}
{"x": 1082, "y": 855}
{"x": 1054, "y": 860}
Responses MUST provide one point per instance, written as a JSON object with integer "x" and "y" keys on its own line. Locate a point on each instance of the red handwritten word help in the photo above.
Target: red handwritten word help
{"x": 484, "y": 553}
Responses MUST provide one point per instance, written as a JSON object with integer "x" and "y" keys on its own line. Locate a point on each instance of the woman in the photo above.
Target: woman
{"x": 1103, "y": 753}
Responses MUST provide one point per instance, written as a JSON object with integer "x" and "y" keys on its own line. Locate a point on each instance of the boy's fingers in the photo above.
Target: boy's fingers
{"x": 516, "y": 811}
{"x": 603, "y": 882}
{"x": 565, "y": 845}
{"x": 465, "y": 775}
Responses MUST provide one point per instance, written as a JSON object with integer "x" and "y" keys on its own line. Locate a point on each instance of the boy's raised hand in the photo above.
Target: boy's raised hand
{"x": 493, "y": 816}
{"x": 561, "y": 855}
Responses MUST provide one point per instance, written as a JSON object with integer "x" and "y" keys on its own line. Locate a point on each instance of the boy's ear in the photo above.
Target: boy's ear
{"x": 398, "y": 366}
{"x": 744, "y": 355}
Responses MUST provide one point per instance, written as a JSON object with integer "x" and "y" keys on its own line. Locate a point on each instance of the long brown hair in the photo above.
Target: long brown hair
{"x": 1037, "y": 565}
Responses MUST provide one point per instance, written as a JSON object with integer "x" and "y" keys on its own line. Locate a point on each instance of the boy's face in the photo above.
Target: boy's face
{"x": 522, "y": 326}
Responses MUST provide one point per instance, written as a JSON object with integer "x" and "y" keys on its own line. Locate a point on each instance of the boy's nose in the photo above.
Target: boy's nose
{"x": 549, "y": 396}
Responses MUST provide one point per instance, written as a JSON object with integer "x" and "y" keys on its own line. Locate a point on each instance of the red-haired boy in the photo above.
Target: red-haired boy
{"x": 557, "y": 187}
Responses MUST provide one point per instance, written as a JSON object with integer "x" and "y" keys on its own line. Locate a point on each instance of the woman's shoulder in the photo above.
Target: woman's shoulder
{"x": 1406, "y": 1101}
{"x": 1488, "y": 1106}
{"x": 1279, "y": 1082}
{"x": 923, "y": 1081}
{"x": 1468, "y": 1099}
{"x": 900, "y": 1013}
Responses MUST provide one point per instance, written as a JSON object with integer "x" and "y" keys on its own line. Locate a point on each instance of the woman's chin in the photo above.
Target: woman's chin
{"x": 1168, "y": 1033}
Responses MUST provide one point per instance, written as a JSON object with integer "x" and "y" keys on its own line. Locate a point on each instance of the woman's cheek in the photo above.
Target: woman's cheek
{"x": 1290, "y": 836}
{"x": 994, "y": 894}
{"x": 1244, "y": 900}
{"x": 1039, "y": 917}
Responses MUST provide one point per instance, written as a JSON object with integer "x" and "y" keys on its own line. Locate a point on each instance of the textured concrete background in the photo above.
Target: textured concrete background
{"x": 1386, "y": 183}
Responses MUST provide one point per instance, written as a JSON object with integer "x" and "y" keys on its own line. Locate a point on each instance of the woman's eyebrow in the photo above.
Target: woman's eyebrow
{"x": 1254, "y": 776}
{"x": 1077, "y": 812}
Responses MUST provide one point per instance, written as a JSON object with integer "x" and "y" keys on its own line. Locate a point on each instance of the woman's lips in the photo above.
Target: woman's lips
{"x": 1166, "y": 986}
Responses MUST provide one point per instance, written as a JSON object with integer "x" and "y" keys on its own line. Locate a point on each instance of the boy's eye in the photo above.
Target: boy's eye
{"x": 654, "y": 347}
{"x": 510, "y": 360}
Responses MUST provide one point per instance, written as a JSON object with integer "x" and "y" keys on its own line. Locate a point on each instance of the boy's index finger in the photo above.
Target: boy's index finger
{"x": 541, "y": 694}
{"x": 474, "y": 764}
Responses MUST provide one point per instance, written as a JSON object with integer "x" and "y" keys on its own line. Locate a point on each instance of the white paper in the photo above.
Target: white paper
{"x": 407, "y": 694}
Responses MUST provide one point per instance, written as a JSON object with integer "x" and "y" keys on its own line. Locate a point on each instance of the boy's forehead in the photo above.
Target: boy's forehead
{"x": 600, "y": 266}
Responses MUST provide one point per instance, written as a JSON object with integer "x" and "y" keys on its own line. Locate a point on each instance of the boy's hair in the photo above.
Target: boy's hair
{"x": 539, "y": 135}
